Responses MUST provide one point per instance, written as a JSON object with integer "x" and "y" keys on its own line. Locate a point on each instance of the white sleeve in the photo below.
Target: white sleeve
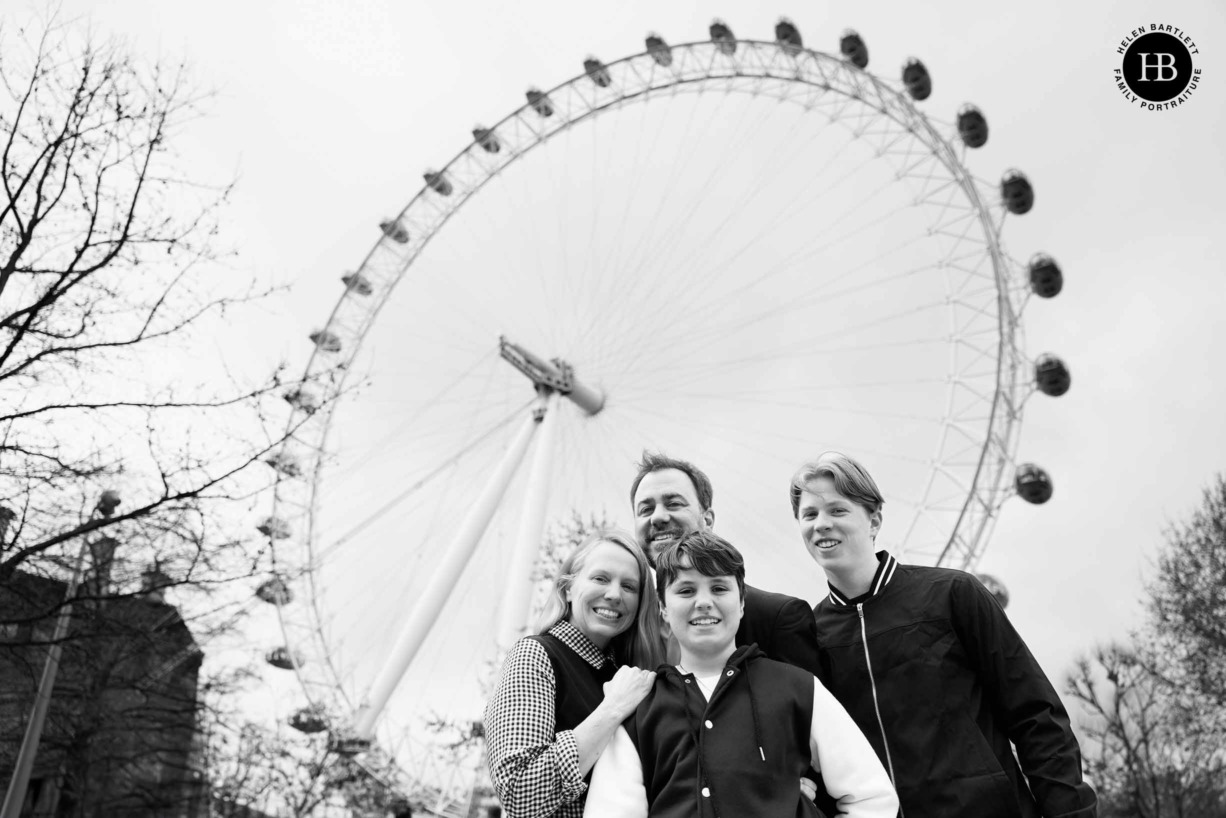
{"x": 854, "y": 776}
{"x": 617, "y": 789}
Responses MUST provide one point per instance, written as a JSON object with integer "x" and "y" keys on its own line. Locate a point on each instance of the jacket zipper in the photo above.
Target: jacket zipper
{"x": 876, "y": 707}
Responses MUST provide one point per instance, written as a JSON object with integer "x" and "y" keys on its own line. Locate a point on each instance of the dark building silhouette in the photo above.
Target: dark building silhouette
{"x": 121, "y": 738}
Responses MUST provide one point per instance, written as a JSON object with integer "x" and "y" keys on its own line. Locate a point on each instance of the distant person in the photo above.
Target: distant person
{"x": 927, "y": 663}
{"x": 672, "y": 498}
{"x": 561, "y": 693}
{"x": 727, "y": 731}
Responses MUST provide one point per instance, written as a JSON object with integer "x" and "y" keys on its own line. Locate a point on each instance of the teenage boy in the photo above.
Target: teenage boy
{"x": 927, "y": 663}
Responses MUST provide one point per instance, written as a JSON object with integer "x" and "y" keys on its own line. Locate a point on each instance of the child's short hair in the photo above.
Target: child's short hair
{"x": 707, "y": 553}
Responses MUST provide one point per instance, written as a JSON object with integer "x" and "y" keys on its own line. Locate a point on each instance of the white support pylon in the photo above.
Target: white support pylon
{"x": 517, "y": 599}
{"x": 430, "y": 604}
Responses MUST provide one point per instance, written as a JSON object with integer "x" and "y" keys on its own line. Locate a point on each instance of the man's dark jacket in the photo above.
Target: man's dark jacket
{"x": 781, "y": 626}
{"x": 942, "y": 689}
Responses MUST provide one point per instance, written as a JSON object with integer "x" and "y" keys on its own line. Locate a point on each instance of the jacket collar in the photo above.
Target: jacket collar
{"x": 886, "y": 564}
{"x": 740, "y": 658}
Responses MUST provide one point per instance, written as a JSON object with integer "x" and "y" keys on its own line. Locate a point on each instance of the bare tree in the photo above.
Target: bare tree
{"x": 1187, "y": 600}
{"x": 111, "y": 281}
{"x": 1156, "y": 707}
{"x": 108, "y": 272}
{"x": 114, "y": 287}
{"x": 275, "y": 770}
{"x": 1148, "y": 754}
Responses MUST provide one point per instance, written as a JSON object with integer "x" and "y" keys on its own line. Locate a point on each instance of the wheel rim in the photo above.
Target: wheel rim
{"x": 960, "y": 491}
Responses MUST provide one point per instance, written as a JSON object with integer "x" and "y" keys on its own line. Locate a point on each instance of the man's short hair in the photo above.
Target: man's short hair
{"x": 850, "y": 480}
{"x": 707, "y": 553}
{"x": 654, "y": 461}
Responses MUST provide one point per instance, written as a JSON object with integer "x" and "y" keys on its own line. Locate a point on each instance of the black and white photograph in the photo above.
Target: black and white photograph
{"x": 478, "y": 409}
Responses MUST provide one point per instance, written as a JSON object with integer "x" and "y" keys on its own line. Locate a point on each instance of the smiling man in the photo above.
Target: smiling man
{"x": 672, "y": 498}
{"x": 930, "y": 668}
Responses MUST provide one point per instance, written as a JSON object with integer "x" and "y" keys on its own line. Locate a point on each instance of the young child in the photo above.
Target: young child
{"x": 728, "y": 732}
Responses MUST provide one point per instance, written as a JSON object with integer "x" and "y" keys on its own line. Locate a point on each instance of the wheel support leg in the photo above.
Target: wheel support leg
{"x": 517, "y": 599}
{"x": 430, "y": 604}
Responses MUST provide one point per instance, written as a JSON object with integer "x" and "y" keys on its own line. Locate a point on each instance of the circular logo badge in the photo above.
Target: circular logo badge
{"x": 1158, "y": 69}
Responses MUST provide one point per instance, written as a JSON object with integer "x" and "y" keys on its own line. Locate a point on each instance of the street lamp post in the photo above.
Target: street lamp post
{"x": 16, "y": 794}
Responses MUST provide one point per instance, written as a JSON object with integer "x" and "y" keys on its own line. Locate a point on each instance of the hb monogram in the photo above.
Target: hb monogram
{"x": 1162, "y": 64}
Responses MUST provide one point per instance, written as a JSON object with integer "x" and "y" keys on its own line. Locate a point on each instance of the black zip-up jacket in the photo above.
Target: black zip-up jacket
{"x": 932, "y": 671}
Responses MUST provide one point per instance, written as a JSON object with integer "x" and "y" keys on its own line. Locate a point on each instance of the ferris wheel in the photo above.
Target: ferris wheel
{"x": 739, "y": 252}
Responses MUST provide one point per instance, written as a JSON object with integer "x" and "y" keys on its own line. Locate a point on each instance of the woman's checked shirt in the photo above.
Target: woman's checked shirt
{"x": 534, "y": 768}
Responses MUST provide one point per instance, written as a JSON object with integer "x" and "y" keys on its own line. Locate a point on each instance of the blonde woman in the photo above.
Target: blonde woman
{"x": 564, "y": 690}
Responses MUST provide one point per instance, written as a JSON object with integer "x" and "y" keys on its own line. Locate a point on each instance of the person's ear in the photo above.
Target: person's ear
{"x": 708, "y": 517}
{"x": 874, "y": 523}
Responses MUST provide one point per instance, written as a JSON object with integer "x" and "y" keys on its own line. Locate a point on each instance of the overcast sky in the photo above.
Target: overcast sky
{"x": 329, "y": 112}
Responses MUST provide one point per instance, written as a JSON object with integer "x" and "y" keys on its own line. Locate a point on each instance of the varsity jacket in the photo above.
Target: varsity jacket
{"x": 929, "y": 666}
{"x": 740, "y": 754}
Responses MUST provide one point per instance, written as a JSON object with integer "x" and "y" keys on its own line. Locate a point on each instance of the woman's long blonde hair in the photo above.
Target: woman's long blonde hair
{"x": 642, "y": 645}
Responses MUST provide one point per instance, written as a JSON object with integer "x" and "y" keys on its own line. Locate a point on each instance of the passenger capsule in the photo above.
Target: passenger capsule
{"x": 1032, "y": 484}
{"x": 916, "y": 78}
{"x": 486, "y": 139}
{"x": 996, "y": 588}
{"x": 1051, "y": 375}
{"x": 283, "y": 658}
{"x": 853, "y": 49}
{"x": 357, "y": 283}
{"x": 395, "y": 231}
{"x": 309, "y": 720}
{"x": 659, "y": 50}
{"x": 540, "y": 101}
{"x": 438, "y": 182}
{"x": 348, "y": 744}
{"x": 274, "y": 527}
{"x": 788, "y": 37}
{"x": 303, "y": 398}
{"x": 1016, "y": 192}
{"x": 721, "y": 35}
{"x": 325, "y": 340}
{"x": 1046, "y": 280}
{"x": 275, "y": 592}
{"x": 972, "y": 127}
{"x": 595, "y": 69}
{"x": 285, "y": 463}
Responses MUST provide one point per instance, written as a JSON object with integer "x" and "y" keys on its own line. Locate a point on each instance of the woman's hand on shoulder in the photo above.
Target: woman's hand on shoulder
{"x": 626, "y": 689}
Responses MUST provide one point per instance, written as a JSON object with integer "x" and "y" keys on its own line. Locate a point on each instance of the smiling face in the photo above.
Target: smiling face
{"x": 604, "y": 595}
{"x": 838, "y": 533}
{"x": 666, "y": 508}
{"x": 703, "y": 612}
